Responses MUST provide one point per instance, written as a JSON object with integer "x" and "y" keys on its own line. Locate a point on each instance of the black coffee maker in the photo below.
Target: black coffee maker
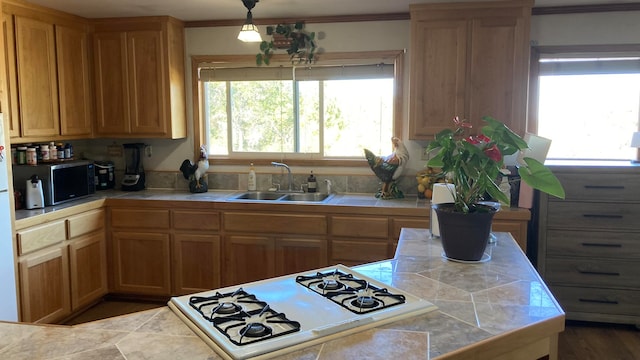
{"x": 133, "y": 179}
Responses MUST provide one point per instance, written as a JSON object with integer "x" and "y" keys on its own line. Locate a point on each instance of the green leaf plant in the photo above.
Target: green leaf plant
{"x": 473, "y": 163}
{"x": 300, "y": 45}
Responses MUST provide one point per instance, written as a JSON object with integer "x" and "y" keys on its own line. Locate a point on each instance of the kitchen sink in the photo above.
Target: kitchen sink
{"x": 268, "y": 196}
{"x": 258, "y": 195}
{"x": 315, "y": 197}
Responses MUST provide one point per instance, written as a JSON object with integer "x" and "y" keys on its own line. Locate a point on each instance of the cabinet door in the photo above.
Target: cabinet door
{"x": 248, "y": 258}
{"x": 111, "y": 83}
{"x": 147, "y": 83}
{"x": 10, "y": 86}
{"x": 37, "y": 84}
{"x": 88, "y": 264}
{"x": 141, "y": 263}
{"x": 44, "y": 285}
{"x": 498, "y": 80}
{"x": 196, "y": 260}
{"x": 294, "y": 255}
{"x": 73, "y": 81}
{"x": 518, "y": 230}
{"x": 355, "y": 252}
{"x": 438, "y": 67}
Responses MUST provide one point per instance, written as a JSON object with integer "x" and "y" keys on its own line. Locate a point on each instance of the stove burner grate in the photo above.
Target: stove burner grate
{"x": 353, "y": 294}
{"x": 253, "y": 326}
{"x": 224, "y": 304}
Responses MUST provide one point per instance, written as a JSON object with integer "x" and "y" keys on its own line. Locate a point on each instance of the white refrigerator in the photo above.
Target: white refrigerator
{"x": 8, "y": 287}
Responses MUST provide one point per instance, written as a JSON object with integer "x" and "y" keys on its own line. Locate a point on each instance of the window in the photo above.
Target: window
{"x": 589, "y": 104}
{"x": 330, "y": 110}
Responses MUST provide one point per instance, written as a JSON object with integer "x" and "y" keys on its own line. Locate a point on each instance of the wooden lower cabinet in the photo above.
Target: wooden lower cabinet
{"x": 141, "y": 263}
{"x": 88, "y": 265}
{"x": 248, "y": 258}
{"x": 196, "y": 260}
{"x": 44, "y": 285}
{"x": 293, "y": 255}
{"x": 351, "y": 252}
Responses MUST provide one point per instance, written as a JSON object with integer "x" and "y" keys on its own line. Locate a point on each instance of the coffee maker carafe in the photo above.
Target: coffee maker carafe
{"x": 133, "y": 179}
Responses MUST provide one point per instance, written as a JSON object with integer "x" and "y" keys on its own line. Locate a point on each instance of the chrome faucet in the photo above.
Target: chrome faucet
{"x": 278, "y": 164}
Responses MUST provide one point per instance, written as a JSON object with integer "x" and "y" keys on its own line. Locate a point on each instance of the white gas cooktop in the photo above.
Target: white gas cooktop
{"x": 271, "y": 317}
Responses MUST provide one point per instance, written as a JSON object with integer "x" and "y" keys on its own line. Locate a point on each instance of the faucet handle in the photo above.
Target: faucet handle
{"x": 329, "y": 184}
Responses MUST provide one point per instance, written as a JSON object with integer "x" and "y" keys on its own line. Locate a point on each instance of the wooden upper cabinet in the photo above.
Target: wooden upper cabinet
{"x": 112, "y": 91}
{"x": 73, "y": 81}
{"x": 468, "y": 60}
{"x": 37, "y": 80}
{"x": 146, "y": 82}
{"x": 139, "y": 71}
{"x": 47, "y": 93}
{"x": 9, "y": 83}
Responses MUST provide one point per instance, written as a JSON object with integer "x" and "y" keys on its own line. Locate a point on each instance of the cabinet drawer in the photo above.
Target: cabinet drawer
{"x": 609, "y": 273}
{"x": 276, "y": 223}
{"x": 398, "y": 224}
{"x": 360, "y": 226}
{"x": 593, "y": 244}
{"x": 603, "y": 301}
{"x": 593, "y": 215}
{"x": 41, "y": 236}
{"x": 358, "y": 252}
{"x": 140, "y": 219}
{"x": 615, "y": 187}
{"x": 85, "y": 223}
{"x": 196, "y": 220}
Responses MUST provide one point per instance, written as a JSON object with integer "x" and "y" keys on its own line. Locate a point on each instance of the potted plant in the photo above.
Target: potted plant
{"x": 299, "y": 44}
{"x": 473, "y": 163}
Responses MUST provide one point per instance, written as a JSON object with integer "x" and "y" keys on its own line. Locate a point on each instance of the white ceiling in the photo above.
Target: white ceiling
{"x": 192, "y": 10}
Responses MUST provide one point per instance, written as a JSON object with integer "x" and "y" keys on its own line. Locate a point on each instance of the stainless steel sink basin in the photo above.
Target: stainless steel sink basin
{"x": 315, "y": 197}
{"x": 268, "y": 196}
{"x": 258, "y": 195}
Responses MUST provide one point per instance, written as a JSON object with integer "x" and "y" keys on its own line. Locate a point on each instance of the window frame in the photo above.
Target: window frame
{"x": 534, "y": 70}
{"x": 198, "y": 108}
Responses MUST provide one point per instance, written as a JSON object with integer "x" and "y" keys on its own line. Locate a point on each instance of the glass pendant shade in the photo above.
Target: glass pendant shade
{"x": 249, "y": 33}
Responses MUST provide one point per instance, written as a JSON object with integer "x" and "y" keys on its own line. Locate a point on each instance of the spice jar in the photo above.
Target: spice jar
{"x": 32, "y": 157}
{"x": 22, "y": 155}
{"x": 44, "y": 150}
{"x": 60, "y": 151}
{"x": 53, "y": 152}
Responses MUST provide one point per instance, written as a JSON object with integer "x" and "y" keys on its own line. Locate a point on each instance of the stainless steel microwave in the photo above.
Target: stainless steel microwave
{"x": 61, "y": 182}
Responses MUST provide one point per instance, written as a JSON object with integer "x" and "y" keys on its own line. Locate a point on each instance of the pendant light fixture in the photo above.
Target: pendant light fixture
{"x": 249, "y": 32}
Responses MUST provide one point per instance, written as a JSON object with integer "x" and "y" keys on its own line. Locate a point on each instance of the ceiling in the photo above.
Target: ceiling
{"x": 194, "y": 10}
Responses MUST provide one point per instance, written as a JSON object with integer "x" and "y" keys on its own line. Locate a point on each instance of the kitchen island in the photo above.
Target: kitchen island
{"x": 498, "y": 309}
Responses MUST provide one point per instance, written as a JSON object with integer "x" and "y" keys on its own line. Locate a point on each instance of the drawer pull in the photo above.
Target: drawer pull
{"x": 604, "y": 216}
{"x": 612, "y": 302}
{"x": 591, "y": 272}
{"x": 607, "y": 187}
{"x": 602, "y": 245}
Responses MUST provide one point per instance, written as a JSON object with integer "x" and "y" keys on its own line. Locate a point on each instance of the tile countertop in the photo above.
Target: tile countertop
{"x": 484, "y": 310}
{"x": 348, "y": 199}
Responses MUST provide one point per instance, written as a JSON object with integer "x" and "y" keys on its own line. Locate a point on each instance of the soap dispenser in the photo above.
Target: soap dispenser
{"x": 251, "y": 183}
{"x": 312, "y": 184}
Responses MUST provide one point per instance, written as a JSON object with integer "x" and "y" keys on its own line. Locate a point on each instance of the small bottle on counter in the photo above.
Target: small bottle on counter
{"x": 312, "y": 184}
{"x": 22, "y": 155}
{"x": 44, "y": 150}
{"x": 32, "y": 157}
{"x": 53, "y": 151}
{"x": 251, "y": 182}
{"x": 67, "y": 151}
{"x": 60, "y": 148}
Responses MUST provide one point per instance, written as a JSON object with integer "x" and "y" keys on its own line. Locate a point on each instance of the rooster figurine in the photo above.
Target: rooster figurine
{"x": 196, "y": 173}
{"x": 389, "y": 168}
